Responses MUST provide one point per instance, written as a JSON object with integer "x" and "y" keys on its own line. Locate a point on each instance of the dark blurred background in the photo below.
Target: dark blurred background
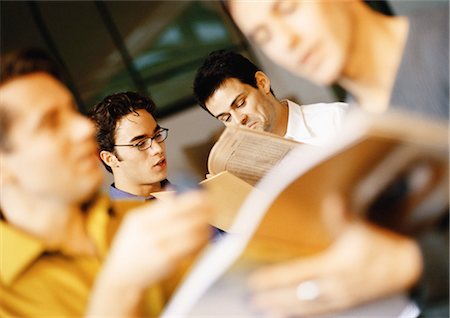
{"x": 153, "y": 47}
{"x": 107, "y": 46}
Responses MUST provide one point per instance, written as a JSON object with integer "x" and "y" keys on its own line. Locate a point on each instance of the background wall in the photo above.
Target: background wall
{"x": 77, "y": 29}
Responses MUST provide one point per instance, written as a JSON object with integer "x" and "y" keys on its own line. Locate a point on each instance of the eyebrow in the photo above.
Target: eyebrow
{"x": 53, "y": 113}
{"x": 158, "y": 127}
{"x": 232, "y": 103}
{"x": 47, "y": 118}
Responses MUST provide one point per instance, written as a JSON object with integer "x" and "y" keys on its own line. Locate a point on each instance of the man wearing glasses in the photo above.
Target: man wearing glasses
{"x": 131, "y": 145}
{"x": 132, "y": 148}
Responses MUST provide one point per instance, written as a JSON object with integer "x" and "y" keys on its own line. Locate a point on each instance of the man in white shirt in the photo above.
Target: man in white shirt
{"x": 237, "y": 92}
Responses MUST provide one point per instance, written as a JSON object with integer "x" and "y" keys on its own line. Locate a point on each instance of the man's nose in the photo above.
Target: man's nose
{"x": 82, "y": 127}
{"x": 239, "y": 118}
{"x": 291, "y": 37}
{"x": 156, "y": 147}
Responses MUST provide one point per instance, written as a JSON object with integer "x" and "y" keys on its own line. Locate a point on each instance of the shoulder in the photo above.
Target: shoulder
{"x": 323, "y": 109}
{"x": 320, "y": 119}
{"x": 335, "y": 105}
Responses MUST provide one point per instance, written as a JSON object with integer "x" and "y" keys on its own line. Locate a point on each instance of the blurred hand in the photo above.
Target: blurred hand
{"x": 365, "y": 262}
{"x": 153, "y": 239}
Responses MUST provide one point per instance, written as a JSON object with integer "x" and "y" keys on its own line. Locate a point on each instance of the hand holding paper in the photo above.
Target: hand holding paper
{"x": 150, "y": 244}
{"x": 331, "y": 281}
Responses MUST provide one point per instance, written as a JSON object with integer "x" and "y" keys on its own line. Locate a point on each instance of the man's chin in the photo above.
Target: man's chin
{"x": 90, "y": 185}
{"x": 257, "y": 127}
{"x": 160, "y": 177}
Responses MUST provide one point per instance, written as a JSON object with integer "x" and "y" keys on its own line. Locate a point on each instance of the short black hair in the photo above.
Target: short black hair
{"x": 19, "y": 63}
{"x": 219, "y": 66}
{"x": 110, "y": 110}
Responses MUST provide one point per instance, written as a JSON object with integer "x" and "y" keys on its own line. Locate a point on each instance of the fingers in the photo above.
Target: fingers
{"x": 339, "y": 272}
{"x": 183, "y": 236}
{"x": 160, "y": 214}
{"x": 276, "y": 302}
{"x": 185, "y": 245}
{"x": 287, "y": 273}
{"x": 176, "y": 227}
{"x": 310, "y": 296}
{"x": 284, "y": 302}
{"x": 156, "y": 237}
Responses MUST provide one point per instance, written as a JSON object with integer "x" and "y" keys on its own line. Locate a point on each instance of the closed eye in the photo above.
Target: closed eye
{"x": 225, "y": 118}
{"x": 50, "y": 120}
{"x": 285, "y": 7}
{"x": 240, "y": 103}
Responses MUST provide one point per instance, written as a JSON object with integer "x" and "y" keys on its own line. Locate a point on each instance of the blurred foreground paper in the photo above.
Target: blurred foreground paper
{"x": 280, "y": 219}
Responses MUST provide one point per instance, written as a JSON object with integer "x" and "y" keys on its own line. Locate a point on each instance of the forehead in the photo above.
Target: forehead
{"x": 223, "y": 97}
{"x": 133, "y": 125}
{"x": 250, "y": 14}
{"x": 29, "y": 96}
{"x": 33, "y": 92}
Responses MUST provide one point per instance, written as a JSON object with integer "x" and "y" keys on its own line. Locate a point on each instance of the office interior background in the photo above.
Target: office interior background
{"x": 153, "y": 47}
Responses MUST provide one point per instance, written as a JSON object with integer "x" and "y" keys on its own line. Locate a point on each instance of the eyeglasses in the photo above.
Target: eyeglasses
{"x": 146, "y": 143}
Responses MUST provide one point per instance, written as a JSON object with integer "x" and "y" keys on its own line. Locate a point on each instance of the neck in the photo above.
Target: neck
{"x": 374, "y": 58}
{"x": 281, "y": 118}
{"x": 57, "y": 224}
{"x": 142, "y": 190}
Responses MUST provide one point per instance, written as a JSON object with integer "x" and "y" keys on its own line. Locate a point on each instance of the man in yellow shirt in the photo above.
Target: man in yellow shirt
{"x": 56, "y": 229}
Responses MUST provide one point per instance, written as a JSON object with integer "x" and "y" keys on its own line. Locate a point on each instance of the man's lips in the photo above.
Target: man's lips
{"x": 307, "y": 58}
{"x": 252, "y": 125}
{"x": 160, "y": 162}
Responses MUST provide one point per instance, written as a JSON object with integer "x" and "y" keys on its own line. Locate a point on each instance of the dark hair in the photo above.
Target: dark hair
{"x": 219, "y": 66}
{"x": 16, "y": 64}
{"x": 27, "y": 61}
{"x": 110, "y": 110}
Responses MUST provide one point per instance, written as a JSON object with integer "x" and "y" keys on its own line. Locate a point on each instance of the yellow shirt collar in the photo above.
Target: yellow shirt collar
{"x": 19, "y": 249}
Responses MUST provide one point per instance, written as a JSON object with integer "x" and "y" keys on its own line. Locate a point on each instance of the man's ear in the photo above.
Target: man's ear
{"x": 109, "y": 159}
{"x": 262, "y": 81}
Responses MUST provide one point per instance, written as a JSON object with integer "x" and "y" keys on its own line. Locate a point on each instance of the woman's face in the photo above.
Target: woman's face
{"x": 309, "y": 38}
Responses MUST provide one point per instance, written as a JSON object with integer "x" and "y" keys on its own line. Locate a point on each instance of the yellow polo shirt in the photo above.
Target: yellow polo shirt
{"x": 36, "y": 282}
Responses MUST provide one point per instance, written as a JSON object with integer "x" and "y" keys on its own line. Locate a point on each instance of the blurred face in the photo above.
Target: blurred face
{"x": 238, "y": 104}
{"x": 136, "y": 167}
{"x": 53, "y": 150}
{"x": 308, "y": 38}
